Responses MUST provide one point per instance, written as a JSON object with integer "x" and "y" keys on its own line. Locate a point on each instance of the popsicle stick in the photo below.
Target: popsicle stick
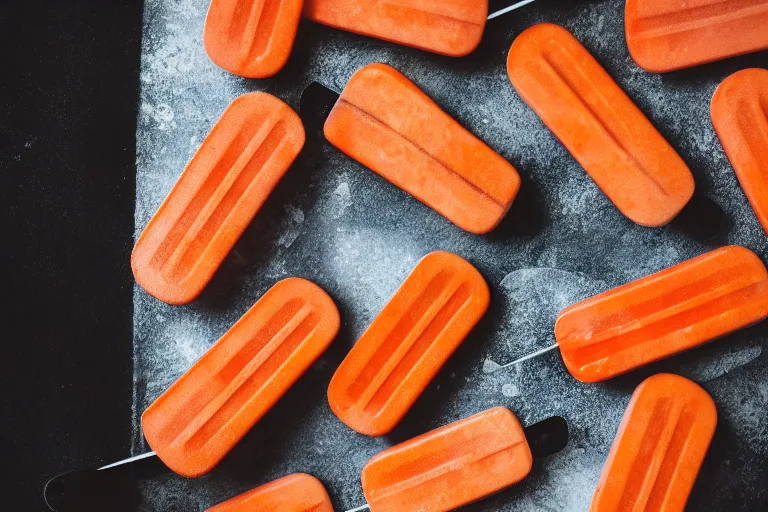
{"x": 112, "y": 487}
{"x": 128, "y": 460}
{"x": 524, "y": 358}
{"x": 511, "y": 8}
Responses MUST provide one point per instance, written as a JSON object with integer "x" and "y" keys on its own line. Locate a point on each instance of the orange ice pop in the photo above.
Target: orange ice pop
{"x": 385, "y": 122}
{"x": 251, "y": 38}
{"x": 293, "y": 493}
{"x": 203, "y": 415}
{"x": 408, "y": 342}
{"x": 599, "y": 124}
{"x": 451, "y": 466}
{"x": 238, "y": 164}
{"x": 669, "y": 312}
{"x": 740, "y": 117}
{"x": 665, "y": 35}
{"x": 449, "y": 27}
{"x": 659, "y": 448}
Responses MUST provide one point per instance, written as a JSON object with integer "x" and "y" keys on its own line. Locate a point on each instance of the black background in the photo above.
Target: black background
{"x": 68, "y": 104}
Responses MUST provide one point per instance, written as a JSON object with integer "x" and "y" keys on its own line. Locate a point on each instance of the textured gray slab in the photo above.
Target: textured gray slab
{"x": 340, "y": 225}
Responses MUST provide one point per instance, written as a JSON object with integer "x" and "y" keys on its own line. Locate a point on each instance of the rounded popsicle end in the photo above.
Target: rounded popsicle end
{"x": 183, "y": 466}
{"x": 666, "y": 207}
{"x": 154, "y": 284}
{"x": 234, "y": 44}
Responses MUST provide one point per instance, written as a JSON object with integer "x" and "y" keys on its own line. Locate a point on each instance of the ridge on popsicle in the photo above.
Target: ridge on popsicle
{"x": 298, "y": 492}
{"x": 660, "y": 315}
{"x": 206, "y": 412}
{"x": 251, "y": 38}
{"x": 659, "y": 448}
{"x": 740, "y": 116}
{"x": 407, "y": 343}
{"x": 385, "y": 122}
{"x": 224, "y": 185}
{"x": 667, "y": 35}
{"x": 254, "y": 38}
{"x": 629, "y": 160}
{"x": 449, "y": 27}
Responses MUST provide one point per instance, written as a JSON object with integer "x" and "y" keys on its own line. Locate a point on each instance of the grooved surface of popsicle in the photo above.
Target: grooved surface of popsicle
{"x": 251, "y": 38}
{"x": 665, "y": 35}
{"x": 663, "y": 314}
{"x": 740, "y": 117}
{"x": 408, "y": 342}
{"x": 450, "y": 466}
{"x": 449, "y": 27}
{"x": 386, "y": 123}
{"x": 293, "y": 493}
{"x": 238, "y": 164}
{"x": 659, "y": 448}
{"x": 600, "y": 125}
{"x": 209, "y": 409}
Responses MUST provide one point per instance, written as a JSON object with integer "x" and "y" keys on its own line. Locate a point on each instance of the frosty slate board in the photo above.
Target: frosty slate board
{"x": 357, "y": 236}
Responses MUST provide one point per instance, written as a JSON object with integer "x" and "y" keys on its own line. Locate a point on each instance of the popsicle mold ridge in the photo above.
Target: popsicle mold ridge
{"x": 388, "y": 124}
{"x": 251, "y": 38}
{"x": 659, "y": 448}
{"x": 598, "y": 123}
{"x": 213, "y": 405}
{"x": 222, "y": 188}
{"x": 451, "y": 466}
{"x": 740, "y": 117}
{"x": 662, "y": 314}
{"x": 298, "y": 492}
{"x": 666, "y": 35}
{"x": 408, "y": 342}
{"x": 449, "y": 27}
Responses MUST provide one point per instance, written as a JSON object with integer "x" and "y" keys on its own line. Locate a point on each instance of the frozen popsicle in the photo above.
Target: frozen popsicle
{"x": 600, "y": 125}
{"x": 385, "y": 122}
{"x": 451, "y": 466}
{"x": 407, "y": 343}
{"x": 293, "y": 493}
{"x": 740, "y": 117}
{"x": 251, "y": 38}
{"x": 665, "y": 35}
{"x": 659, "y": 448}
{"x": 448, "y": 27}
{"x": 657, "y": 316}
{"x": 225, "y": 184}
{"x": 203, "y": 415}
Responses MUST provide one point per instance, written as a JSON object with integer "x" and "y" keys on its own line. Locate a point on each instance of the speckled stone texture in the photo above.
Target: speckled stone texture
{"x": 340, "y": 225}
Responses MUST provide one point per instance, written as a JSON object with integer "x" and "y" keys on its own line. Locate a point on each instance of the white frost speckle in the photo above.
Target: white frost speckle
{"x": 291, "y": 226}
{"x": 161, "y": 115}
{"x": 342, "y": 199}
{"x": 510, "y": 390}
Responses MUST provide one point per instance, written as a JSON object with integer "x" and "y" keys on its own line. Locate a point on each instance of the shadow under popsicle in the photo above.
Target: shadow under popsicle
{"x": 261, "y": 241}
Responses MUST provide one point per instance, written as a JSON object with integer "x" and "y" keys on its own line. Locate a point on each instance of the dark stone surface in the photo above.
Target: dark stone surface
{"x": 69, "y": 91}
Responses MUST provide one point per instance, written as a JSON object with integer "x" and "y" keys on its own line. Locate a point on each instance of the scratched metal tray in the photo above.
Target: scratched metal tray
{"x": 340, "y": 225}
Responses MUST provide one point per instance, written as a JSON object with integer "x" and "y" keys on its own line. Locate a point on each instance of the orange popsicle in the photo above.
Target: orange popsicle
{"x": 600, "y": 125}
{"x": 385, "y": 122}
{"x": 408, "y": 342}
{"x": 659, "y": 448}
{"x": 665, "y": 35}
{"x": 211, "y": 407}
{"x": 449, "y": 27}
{"x": 660, "y": 315}
{"x": 238, "y": 164}
{"x": 251, "y": 38}
{"x": 293, "y": 493}
{"x": 740, "y": 117}
{"x": 451, "y": 466}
